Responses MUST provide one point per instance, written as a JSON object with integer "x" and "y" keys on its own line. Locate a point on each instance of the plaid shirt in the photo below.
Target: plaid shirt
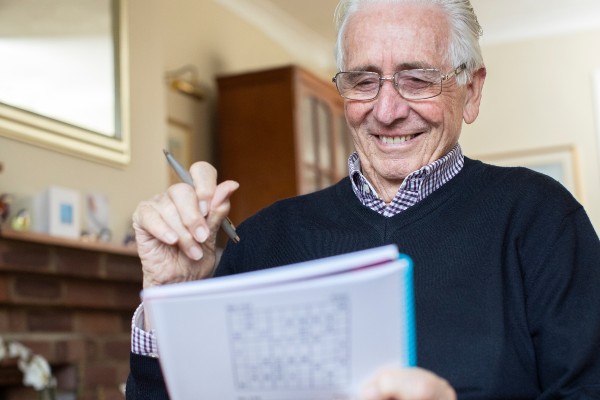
{"x": 142, "y": 342}
{"x": 418, "y": 185}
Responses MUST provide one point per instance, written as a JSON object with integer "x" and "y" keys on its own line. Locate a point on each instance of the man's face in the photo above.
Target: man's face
{"x": 394, "y": 136}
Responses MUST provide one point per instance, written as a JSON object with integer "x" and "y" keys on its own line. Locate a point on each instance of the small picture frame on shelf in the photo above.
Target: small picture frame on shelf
{"x": 57, "y": 212}
{"x": 97, "y": 213}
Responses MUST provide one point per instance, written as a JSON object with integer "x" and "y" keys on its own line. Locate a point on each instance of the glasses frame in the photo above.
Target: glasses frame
{"x": 393, "y": 79}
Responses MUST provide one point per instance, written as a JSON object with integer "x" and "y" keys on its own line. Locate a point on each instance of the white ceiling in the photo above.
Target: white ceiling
{"x": 502, "y": 19}
{"x": 306, "y": 26}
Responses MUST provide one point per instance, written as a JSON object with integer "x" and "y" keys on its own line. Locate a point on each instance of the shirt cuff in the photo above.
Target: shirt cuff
{"x": 142, "y": 343}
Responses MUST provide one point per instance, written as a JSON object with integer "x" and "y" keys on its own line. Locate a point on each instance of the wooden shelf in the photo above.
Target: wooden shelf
{"x": 65, "y": 242}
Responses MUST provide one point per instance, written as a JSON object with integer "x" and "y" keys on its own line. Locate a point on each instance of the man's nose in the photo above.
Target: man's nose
{"x": 389, "y": 105}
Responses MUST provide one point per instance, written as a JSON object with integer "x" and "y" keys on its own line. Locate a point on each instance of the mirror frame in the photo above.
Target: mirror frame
{"x": 69, "y": 139}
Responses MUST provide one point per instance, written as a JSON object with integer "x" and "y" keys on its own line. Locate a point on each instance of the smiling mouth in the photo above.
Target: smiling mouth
{"x": 395, "y": 139}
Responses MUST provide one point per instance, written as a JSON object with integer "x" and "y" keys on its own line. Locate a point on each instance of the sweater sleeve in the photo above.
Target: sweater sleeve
{"x": 563, "y": 303}
{"x": 145, "y": 381}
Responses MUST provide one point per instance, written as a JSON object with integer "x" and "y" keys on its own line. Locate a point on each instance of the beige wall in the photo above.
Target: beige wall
{"x": 167, "y": 34}
{"x": 217, "y": 42}
{"x": 538, "y": 93}
{"x": 164, "y": 34}
{"x": 29, "y": 169}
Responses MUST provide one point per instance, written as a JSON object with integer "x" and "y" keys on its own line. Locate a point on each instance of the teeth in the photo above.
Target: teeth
{"x": 395, "y": 139}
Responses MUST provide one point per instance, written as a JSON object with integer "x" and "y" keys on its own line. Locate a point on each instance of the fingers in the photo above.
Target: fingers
{"x": 213, "y": 199}
{"x": 187, "y": 215}
{"x": 149, "y": 224}
{"x": 204, "y": 176}
{"x": 407, "y": 384}
{"x": 180, "y": 209}
{"x": 172, "y": 218}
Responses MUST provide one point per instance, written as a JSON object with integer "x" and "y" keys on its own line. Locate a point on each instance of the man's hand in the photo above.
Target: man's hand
{"x": 407, "y": 384}
{"x": 176, "y": 231}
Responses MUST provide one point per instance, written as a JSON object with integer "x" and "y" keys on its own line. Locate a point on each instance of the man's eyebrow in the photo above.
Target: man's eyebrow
{"x": 399, "y": 67}
{"x": 366, "y": 67}
{"x": 414, "y": 65}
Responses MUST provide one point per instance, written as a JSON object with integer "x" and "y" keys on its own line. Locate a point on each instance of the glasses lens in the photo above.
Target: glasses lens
{"x": 358, "y": 85}
{"x": 419, "y": 83}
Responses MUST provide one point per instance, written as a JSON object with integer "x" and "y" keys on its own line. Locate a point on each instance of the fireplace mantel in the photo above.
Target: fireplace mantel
{"x": 70, "y": 301}
{"x": 36, "y": 237}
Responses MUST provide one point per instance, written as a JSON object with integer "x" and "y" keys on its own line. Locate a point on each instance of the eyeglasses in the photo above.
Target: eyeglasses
{"x": 412, "y": 84}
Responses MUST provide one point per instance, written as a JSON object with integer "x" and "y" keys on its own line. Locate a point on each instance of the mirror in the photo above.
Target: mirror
{"x": 63, "y": 76}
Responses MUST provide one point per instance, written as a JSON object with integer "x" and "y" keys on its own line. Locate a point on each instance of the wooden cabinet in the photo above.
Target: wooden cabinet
{"x": 281, "y": 132}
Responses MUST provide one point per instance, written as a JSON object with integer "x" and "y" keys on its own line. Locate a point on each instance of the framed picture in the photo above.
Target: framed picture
{"x": 97, "y": 212}
{"x": 596, "y": 94}
{"x": 57, "y": 212}
{"x": 179, "y": 144}
{"x": 559, "y": 162}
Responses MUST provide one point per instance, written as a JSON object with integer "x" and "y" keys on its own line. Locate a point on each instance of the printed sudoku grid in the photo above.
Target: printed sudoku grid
{"x": 299, "y": 346}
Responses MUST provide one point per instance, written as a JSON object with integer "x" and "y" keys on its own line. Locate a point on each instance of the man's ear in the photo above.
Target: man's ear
{"x": 473, "y": 97}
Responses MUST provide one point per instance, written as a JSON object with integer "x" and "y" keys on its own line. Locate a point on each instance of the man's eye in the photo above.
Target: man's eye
{"x": 366, "y": 82}
{"x": 415, "y": 82}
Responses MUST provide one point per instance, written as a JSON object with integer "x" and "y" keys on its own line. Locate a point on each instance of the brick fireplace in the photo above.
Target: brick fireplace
{"x": 71, "y": 302}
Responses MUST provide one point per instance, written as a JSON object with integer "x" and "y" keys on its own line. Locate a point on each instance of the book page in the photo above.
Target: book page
{"x": 308, "y": 339}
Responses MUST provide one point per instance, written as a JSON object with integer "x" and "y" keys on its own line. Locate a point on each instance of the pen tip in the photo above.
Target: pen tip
{"x": 166, "y": 152}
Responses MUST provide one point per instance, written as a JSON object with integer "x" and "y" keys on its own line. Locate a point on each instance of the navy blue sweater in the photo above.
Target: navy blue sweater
{"x": 507, "y": 277}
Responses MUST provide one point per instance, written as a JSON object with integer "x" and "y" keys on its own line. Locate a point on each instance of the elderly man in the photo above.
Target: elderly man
{"x": 507, "y": 272}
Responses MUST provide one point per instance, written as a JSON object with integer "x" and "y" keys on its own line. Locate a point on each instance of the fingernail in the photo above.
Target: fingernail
{"x": 170, "y": 237}
{"x": 195, "y": 252}
{"x": 204, "y": 208}
{"x": 201, "y": 234}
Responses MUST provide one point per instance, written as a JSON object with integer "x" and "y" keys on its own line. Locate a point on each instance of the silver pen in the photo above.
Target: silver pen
{"x": 185, "y": 176}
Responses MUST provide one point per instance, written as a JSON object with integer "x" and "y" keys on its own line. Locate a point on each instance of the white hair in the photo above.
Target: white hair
{"x": 463, "y": 47}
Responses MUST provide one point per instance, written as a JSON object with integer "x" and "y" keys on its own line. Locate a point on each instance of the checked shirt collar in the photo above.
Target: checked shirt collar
{"x": 417, "y": 185}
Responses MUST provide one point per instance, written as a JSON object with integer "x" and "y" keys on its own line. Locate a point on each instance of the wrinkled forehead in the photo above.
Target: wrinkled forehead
{"x": 388, "y": 36}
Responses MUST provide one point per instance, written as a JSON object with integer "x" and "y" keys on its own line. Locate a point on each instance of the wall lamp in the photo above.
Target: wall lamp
{"x": 185, "y": 80}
